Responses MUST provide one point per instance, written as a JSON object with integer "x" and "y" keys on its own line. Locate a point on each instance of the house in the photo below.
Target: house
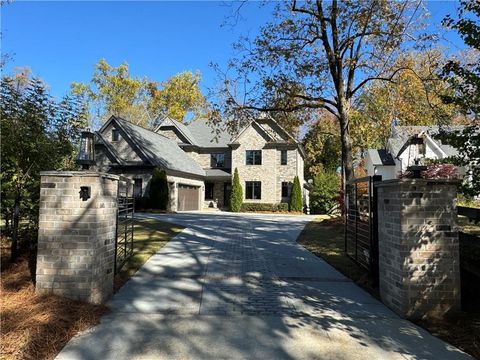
{"x": 199, "y": 160}
{"x": 407, "y": 145}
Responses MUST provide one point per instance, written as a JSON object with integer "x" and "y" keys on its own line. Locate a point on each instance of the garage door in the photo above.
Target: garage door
{"x": 188, "y": 197}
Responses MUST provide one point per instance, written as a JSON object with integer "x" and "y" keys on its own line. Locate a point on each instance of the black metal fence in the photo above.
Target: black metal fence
{"x": 125, "y": 223}
{"x": 361, "y": 223}
{"x": 469, "y": 236}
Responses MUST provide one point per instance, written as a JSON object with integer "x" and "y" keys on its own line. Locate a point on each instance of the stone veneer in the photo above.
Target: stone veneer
{"x": 418, "y": 247}
{"x": 76, "y": 238}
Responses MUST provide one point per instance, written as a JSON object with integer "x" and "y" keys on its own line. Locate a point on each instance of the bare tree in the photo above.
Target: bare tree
{"x": 320, "y": 55}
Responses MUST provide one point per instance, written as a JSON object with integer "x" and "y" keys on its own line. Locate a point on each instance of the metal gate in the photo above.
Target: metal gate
{"x": 124, "y": 230}
{"x": 361, "y": 223}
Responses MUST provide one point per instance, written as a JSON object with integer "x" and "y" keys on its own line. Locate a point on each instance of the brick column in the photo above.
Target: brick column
{"x": 419, "y": 247}
{"x": 76, "y": 237}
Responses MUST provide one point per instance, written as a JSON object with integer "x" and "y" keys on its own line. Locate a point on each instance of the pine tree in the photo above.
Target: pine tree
{"x": 159, "y": 190}
{"x": 236, "y": 197}
{"x": 296, "y": 202}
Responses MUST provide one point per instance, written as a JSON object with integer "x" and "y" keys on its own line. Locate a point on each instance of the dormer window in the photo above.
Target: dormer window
{"x": 115, "y": 135}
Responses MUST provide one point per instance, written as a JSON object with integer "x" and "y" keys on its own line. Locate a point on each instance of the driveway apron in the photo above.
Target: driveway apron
{"x": 240, "y": 287}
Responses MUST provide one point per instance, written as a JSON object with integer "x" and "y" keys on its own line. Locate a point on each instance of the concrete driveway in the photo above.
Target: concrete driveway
{"x": 239, "y": 287}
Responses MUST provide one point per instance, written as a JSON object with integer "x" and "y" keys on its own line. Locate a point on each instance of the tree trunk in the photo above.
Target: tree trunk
{"x": 347, "y": 159}
{"x": 16, "y": 220}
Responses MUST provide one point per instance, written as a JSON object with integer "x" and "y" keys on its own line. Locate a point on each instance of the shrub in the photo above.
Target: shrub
{"x": 236, "y": 196}
{"x": 282, "y": 207}
{"x": 325, "y": 195}
{"x": 296, "y": 202}
{"x": 159, "y": 190}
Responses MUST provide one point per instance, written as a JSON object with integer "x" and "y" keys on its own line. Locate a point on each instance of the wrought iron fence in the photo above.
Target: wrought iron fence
{"x": 125, "y": 223}
{"x": 361, "y": 226}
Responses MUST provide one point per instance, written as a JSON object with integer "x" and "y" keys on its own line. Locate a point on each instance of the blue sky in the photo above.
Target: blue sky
{"x": 61, "y": 41}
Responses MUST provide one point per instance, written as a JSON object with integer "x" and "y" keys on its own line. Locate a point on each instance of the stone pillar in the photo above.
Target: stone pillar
{"x": 76, "y": 236}
{"x": 419, "y": 247}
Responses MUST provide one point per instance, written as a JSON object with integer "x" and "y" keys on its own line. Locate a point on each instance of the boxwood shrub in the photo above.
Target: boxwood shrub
{"x": 282, "y": 207}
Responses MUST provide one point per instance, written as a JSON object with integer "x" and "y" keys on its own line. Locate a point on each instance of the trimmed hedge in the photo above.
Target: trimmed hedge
{"x": 282, "y": 207}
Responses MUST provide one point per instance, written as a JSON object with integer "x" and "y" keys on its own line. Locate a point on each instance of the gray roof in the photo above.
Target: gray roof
{"x": 159, "y": 150}
{"x": 167, "y": 121}
{"x": 381, "y": 157}
{"x": 217, "y": 173}
{"x": 209, "y": 135}
{"x": 403, "y": 133}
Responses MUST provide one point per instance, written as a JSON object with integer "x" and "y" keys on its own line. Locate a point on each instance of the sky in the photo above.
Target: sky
{"x": 61, "y": 41}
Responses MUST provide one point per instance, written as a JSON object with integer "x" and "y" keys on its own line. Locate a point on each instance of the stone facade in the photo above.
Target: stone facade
{"x": 76, "y": 238}
{"x": 418, "y": 247}
{"x": 270, "y": 173}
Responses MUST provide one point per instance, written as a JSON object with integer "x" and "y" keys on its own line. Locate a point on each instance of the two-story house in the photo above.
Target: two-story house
{"x": 199, "y": 160}
{"x": 406, "y": 146}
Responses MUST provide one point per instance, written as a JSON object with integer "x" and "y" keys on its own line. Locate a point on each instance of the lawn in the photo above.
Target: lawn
{"x": 38, "y": 327}
{"x": 150, "y": 236}
{"x": 324, "y": 237}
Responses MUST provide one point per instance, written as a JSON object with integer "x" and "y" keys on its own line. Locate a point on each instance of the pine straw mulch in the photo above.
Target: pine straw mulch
{"x": 38, "y": 327}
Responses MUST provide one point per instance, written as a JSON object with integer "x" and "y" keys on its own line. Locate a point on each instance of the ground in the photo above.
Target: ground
{"x": 240, "y": 287}
{"x": 38, "y": 327}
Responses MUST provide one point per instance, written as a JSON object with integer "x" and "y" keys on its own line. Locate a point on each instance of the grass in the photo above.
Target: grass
{"x": 150, "y": 235}
{"x": 38, "y": 327}
{"x": 324, "y": 237}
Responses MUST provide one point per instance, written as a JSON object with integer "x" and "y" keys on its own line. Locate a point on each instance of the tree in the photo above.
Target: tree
{"x": 158, "y": 193}
{"x": 113, "y": 91}
{"x": 236, "y": 196}
{"x": 325, "y": 193}
{"x": 320, "y": 55}
{"x": 177, "y": 97}
{"x": 411, "y": 98}
{"x": 37, "y": 133}
{"x": 463, "y": 75}
{"x": 296, "y": 202}
{"x": 322, "y": 145}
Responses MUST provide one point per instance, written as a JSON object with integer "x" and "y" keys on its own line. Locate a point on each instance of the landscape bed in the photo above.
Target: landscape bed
{"x": 38, "y": 327}
{"x": 324, "y": 237}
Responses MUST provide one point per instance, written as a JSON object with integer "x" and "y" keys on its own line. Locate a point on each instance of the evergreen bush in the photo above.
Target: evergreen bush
{"x": 296, "y": 202}
{"x": 236, "y": 197}
{"x": 159, "y": 190}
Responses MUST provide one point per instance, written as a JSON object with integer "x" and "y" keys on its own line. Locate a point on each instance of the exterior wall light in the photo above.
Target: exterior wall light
{"x": 86, "y": 153}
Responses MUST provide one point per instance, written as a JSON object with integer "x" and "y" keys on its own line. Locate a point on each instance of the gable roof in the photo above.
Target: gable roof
{"x": 381, "y": 157}
{"x": 403, "y": 134}
{"x": 156, "y": 148}
{"x": 208, "y": 135}
{"x": 181, "y": 127}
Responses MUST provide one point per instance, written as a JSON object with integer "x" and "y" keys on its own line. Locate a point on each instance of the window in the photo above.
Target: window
{"x": 254, "y": 157}
{"x": 217, "y": 160}
{"x": 208, "y": 191}
{"x": 137, "y": 188}
{"x": 283, "y": 157}
{"x": 115, "y": 135}
{"x": 286, "y": 189}
{"x": 253, "y": 190}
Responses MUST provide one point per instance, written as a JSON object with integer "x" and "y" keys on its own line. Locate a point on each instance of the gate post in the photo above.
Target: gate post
{"x": 419, "y": 247}
{"x": 76, "y": 235}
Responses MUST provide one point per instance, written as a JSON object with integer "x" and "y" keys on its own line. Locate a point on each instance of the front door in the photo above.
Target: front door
{"x": 227, "y": 190}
